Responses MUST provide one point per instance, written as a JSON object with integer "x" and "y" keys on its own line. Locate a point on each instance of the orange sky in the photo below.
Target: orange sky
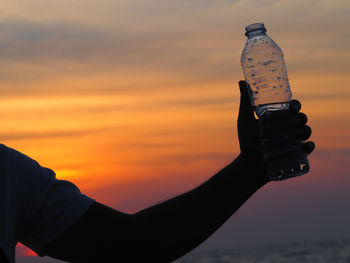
{"x": 136, "y": 102}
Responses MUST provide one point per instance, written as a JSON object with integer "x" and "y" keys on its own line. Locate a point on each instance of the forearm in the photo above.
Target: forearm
{"x": 178, "y": 225}
{"x": 161, "y": 233}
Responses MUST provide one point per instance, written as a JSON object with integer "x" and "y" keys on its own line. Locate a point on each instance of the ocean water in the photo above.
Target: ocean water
{"x": 328, "y": 251}
{"x": 331, "y": 251}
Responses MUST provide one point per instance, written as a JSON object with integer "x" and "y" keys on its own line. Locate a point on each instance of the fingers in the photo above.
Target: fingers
{"x": 294, "y": 118}
{"x": 291, "y": 152}
{"x": 272, "y": 149}
{"x": 279, "y": 144}
{"x": 283, "y": 115}
{"x": 267, "y": 132}
{"x": 303, "y": 133}
{"x": 309, "y": 147}
{"x": 282, "y": 121}
{"x": 294, "y": 106}
{"x": 288, "y": 158}
{"x": 300, "y": 119}
{"x": 283, "y": 134}
{"x": 275, "y": 117}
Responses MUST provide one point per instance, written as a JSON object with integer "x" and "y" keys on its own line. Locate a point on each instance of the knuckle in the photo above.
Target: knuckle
{"x": 308, "y": 129}
{"x": 295, "y": 105}
{"x": 303, "y": 117}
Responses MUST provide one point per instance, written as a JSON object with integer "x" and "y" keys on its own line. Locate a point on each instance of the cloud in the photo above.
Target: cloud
{"x": 339, "y": 96}
{"x": 83, "y": 43}
{"x": 29, "y": 135}
{"x": 331, "y": 153}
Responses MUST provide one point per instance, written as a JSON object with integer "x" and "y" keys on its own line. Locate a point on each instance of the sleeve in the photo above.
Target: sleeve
{"x": 46, "y": 206}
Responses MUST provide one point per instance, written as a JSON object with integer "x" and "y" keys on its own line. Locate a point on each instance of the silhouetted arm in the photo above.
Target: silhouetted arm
{"x": 162, "y": 232}
{"x": 167, "y": 231}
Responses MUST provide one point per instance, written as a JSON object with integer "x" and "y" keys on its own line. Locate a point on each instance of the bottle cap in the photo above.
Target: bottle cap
{"x": 253, "y": 27}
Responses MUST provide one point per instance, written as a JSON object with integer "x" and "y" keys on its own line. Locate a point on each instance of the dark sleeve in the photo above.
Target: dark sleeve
{"x": 3, "y": 258}
{"x": 45, "y": 206}
{"x": 161, "y": 233}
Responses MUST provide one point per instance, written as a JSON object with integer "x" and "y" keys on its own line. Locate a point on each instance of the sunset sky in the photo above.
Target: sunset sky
{"x": 136, "y": 102}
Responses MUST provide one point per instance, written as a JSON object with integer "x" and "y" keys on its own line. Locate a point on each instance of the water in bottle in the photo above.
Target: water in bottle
{"x": 265, "y": 70}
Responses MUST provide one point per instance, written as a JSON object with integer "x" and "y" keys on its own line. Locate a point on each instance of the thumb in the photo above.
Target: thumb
{"x": 246, "y": 110}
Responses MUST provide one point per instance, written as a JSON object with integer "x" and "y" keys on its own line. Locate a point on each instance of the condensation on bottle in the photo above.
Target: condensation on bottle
{"x": 264, "y": 69}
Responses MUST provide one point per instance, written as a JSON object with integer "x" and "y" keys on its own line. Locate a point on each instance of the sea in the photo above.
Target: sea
{"x": 323, "y": 251}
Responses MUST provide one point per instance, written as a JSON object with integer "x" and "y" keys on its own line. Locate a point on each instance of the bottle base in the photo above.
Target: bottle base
{"x": 288, "y": 171}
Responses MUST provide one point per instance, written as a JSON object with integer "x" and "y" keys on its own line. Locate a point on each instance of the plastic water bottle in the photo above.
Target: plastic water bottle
{"x": 265, "y": 70}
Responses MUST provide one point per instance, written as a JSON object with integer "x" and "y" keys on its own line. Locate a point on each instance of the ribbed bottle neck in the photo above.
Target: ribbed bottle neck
{"x": 255, "y": 33}
{"x": 256, "y": 29}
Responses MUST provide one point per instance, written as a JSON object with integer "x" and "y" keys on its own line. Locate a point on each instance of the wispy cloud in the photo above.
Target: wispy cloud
{"x": 50, "y": 134}
{"x": 198, "y": 40}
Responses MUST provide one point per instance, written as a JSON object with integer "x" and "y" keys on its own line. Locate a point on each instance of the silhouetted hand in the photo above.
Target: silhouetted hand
{"x": 266, "y": 136}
